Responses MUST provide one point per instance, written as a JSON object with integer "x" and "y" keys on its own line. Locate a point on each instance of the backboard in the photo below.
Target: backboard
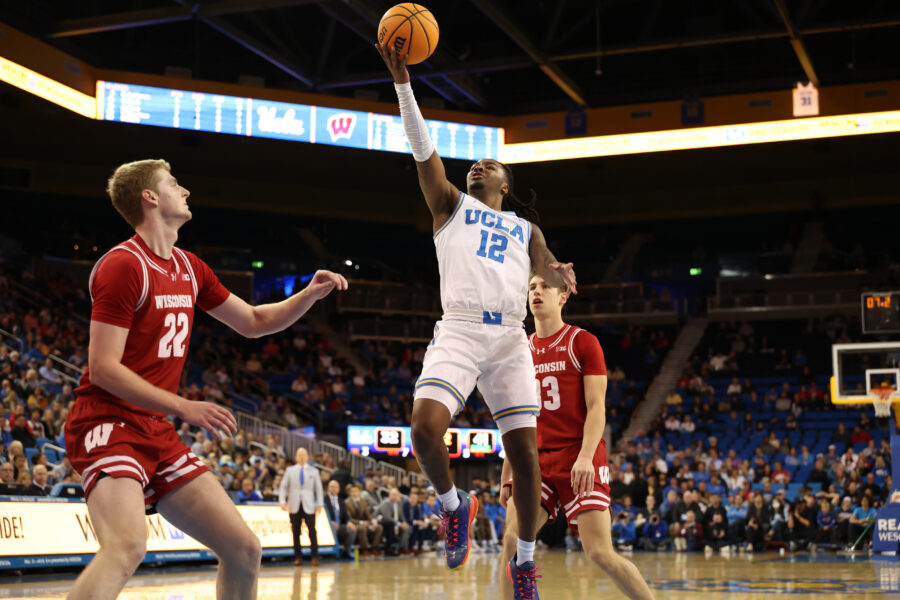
{"x": 860, "y": 368}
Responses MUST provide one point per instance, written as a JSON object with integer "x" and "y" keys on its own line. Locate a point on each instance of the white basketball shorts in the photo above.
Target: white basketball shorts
{"x": 495, "y": 357}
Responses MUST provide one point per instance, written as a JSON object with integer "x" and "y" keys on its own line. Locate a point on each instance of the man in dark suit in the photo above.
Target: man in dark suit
{"x": 413, "y": 513}
{"x": 38, "y": 485}
{"x": 340, "y": 521}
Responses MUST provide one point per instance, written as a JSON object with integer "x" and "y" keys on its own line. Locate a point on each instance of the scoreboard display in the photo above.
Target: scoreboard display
{"x": 255, "y": 117}
{"x": 881, "y": 312}
{"x": 397, "y": 441}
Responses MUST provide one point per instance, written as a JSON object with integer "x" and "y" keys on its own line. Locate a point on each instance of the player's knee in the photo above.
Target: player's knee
{"x": 605, "y": 559}
{"x": 129, "y": 551}
{"x": 250, "y": 553}
{"x": 425, "y": 431}
{"x": 244, "y": 556}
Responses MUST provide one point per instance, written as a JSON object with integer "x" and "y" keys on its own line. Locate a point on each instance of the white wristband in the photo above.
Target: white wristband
{"x": 414, "y": 124}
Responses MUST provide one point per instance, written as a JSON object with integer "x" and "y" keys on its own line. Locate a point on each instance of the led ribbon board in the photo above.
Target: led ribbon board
{"x": 46, "y": 88}
{"x": 703, "y": 137}
{"x": 391, "y": 440}
{"x": 201, "y": 111}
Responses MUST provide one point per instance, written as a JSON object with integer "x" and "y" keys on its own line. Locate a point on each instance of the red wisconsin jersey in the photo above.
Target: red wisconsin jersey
{"x": 154, "y": 299}
{"x": 560, "y": 362}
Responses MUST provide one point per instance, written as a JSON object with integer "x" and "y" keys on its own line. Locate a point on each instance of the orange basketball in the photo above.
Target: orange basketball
{"x": 411, "y": 29}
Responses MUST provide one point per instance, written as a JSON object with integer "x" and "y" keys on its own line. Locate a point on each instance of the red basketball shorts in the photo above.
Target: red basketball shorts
{"x": 556, "y": 483}
{"x": 108, "y": 439}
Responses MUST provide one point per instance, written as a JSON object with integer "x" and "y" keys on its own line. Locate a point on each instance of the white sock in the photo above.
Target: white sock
{"x": 524, "y": 552}
{"x": 450, "y": 500}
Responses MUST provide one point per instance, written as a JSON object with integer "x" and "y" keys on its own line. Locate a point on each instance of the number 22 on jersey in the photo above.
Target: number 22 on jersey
{"x": 551, "y": 384}
{"x": 175, "y": 331}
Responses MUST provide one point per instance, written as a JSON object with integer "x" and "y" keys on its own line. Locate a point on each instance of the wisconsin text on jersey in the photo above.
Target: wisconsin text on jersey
{"x": 550, "y": 367}
{"x": 174, "y": 301}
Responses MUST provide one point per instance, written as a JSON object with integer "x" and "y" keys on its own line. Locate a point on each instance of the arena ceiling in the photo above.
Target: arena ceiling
{"x": 494, "y": 56}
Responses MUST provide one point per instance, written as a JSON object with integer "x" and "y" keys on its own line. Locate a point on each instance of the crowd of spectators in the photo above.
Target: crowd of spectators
{"x": 701, "y": 498}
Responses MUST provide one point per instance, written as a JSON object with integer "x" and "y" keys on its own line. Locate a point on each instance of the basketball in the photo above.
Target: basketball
{"x": 411, "y": 29}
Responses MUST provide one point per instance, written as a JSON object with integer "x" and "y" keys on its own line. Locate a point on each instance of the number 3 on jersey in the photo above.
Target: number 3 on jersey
{"x": 176, "y": 330}
{"x": 552, "y": 385}
{"x": 498, "y": 246}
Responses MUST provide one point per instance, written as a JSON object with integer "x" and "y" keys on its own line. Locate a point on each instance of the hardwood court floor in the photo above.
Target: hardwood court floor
{"x": 565, "y": 577}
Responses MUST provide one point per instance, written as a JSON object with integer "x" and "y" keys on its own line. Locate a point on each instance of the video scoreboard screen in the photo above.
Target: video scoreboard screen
{"x": 253, "y": 117}
{"x": 397, "y": 441}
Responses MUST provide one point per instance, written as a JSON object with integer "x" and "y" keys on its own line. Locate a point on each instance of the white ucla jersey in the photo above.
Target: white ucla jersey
{"x": 484, "y": 262}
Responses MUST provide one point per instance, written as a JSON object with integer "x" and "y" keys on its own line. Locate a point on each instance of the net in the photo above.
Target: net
{"x": 882, "y": 398}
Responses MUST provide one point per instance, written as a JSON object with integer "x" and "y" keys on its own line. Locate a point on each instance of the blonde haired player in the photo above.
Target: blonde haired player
{"x": 484, "y": 255}
{"x": 570, "y": 373}
{"x": 132, "y": 462}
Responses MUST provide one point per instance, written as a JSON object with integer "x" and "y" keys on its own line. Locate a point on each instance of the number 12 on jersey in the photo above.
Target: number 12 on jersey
{"x": 498, "y": 246}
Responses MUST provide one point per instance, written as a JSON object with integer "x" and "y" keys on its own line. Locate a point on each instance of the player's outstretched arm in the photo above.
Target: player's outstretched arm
{"x": 107, "y": 344}
{"x": 257, "y": 321}
{"x": 544, "y": 264}
{"x": 440, "y": 195}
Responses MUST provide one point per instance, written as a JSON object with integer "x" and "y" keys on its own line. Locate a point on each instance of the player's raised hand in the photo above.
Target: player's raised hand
{"x": 582, "y": 476}
{"x": 215, "y": 419}
{"x": 568, "y": 274}
{"x": 323, "y": 282}
{"x": 396, "y": 64}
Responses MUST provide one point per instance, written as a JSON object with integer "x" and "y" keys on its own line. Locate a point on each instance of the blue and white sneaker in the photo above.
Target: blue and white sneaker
{"x": 523, "y": 579}
{"x": 456, "y": 526}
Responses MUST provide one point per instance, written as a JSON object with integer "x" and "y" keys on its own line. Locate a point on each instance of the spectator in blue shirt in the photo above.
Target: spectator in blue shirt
{"x": 736, "y": 513}
{"x": 826, "y": 521}
{"x": 623, "y": 532}
{"x": 669, "y": 503}
{"x": 715, "y": 486}
{"x": 862, "y": 516}
{"x": 247, "y": 493}
{"x": 629, "y": 507}
{"x": 496, "y": 514}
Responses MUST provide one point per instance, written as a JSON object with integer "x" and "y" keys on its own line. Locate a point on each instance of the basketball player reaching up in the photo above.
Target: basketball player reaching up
{"x": 484, "y": 255}
{"x": 130, "y": 457}
{"x": 571, "y": 380}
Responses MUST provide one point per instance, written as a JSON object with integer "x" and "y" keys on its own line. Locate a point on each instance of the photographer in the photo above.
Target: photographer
{"x": 656, "y": 534}
{"x": 623, "y": 532}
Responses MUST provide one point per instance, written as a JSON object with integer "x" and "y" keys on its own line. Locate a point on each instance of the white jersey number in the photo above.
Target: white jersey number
{"x": 172, "y": 341}
{"x": 552, "y": 384}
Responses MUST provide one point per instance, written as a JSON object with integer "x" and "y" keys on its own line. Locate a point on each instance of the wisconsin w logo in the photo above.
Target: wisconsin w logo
{"x": 98, "y": 436}
{"x": 341, "y": 125}
{"x": 603, "y": 472}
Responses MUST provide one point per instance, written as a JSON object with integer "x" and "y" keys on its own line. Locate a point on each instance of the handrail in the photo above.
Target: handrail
{"x": 15, "y": 339}
{"x": 291, "y": 440}
{"x": 52, "y": 447}
{"x": 30, "y": 296}
{"x": 66, "y": 364}
{"x": 265, "y": 448}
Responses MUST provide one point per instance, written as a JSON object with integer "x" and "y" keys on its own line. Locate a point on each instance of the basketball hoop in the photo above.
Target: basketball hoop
{"x": 882, "y": 398}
